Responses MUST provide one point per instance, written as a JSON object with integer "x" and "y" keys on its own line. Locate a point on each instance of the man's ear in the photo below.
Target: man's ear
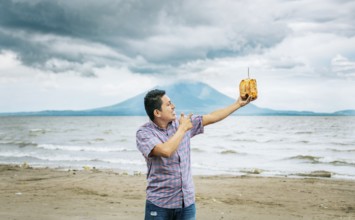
{"x": 157, "y": 113}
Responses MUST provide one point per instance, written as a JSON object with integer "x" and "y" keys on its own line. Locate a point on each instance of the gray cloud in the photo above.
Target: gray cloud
{"x": 332, "y": 16}
{"x": 165, "y": 34}
{"x": 343, "y": 67}
{"x": 285, "y": 63}
{"x": 107, "y": 23}
{"x": 87, "y": 19}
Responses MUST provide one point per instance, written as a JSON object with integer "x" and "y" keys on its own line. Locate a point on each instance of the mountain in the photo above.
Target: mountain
{"x": 195, "y": 97}
{"x": 188, "y": 97}
{"x": 345, "y": 112}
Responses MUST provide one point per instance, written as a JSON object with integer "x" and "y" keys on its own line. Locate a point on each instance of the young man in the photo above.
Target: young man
{"x": 165, "y": 144}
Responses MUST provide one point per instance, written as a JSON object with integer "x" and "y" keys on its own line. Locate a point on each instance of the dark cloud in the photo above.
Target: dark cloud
{"x": 165, "y": 33}
{"x": 29, "y": 52}
{"x": 109, "y": 23}
{"x": 85, "y": 19}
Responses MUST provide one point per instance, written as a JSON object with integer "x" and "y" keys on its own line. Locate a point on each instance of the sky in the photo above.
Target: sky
{"x": 82, "y": 54}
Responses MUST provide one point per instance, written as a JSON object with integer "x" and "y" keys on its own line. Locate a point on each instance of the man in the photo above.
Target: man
{"x": 165, "y": 144}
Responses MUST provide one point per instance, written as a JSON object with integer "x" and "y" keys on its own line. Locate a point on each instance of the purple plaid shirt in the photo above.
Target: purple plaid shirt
{"x": 169, "y": 180}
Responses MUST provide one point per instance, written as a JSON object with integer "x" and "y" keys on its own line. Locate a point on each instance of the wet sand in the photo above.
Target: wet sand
{"x": 41, "y": 193}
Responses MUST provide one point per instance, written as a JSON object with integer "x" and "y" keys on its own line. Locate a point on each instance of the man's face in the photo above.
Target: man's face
{"x": 167, "y": 112}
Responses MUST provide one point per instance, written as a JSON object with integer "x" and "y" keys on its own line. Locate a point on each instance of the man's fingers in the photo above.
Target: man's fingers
{"x": 190, "y": 115}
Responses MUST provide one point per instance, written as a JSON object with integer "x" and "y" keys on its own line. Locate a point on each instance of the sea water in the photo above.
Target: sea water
{"x": 260, "y": 145}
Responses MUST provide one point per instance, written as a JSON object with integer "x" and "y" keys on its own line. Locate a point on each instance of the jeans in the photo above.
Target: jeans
{"x": 153, "y": 212}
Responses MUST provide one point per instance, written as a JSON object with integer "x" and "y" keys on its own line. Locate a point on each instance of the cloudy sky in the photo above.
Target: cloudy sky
{"x": 61, "y": 54}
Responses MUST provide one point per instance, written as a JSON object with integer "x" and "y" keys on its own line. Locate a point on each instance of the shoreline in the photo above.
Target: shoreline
{"x": 49, "y": 193}
{"x": 323, "y": 174}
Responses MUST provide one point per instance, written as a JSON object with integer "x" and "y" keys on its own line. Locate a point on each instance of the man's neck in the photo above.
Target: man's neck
{"x": 161, "y": 124}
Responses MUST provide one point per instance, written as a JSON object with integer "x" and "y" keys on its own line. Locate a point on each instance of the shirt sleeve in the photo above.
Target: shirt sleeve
{"x": 146, "y": 141}
{"x": 197, "y": 125}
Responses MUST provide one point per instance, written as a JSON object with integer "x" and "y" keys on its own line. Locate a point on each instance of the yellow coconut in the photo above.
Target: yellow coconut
{"x": 248, "y": 87}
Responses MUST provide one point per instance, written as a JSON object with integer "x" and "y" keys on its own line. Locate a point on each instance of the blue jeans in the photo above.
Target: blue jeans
{"x": 153, "y": 212}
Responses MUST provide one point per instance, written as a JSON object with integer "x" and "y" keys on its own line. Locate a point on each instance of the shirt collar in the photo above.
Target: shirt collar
{"x": 159, "y": 128}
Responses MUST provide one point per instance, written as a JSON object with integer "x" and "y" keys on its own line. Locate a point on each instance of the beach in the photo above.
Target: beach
{"x": 47, "y": 193}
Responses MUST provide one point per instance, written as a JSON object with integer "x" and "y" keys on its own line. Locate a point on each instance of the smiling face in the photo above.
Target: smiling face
{"x": 167, "y": 113}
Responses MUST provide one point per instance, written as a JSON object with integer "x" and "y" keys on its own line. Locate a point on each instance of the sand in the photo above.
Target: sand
{"x": 42, "y": 193}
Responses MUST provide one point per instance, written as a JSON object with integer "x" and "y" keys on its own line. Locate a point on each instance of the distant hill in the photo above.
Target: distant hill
{"x": 345, "y": 112}
{"x": 194, "y": 97}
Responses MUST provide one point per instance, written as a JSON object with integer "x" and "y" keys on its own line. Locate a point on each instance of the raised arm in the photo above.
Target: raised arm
{"x": 221, "y": 114}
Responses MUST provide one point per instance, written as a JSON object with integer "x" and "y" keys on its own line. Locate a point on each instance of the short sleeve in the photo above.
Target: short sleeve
{"x": 197, "y": 125}
{"x": 146, "y": 141}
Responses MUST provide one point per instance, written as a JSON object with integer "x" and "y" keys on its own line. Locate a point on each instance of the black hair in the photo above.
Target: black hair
{"x": 152, "y": 101}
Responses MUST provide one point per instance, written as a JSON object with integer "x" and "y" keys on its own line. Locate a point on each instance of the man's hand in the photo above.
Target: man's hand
{"x": 242, "y": 102}
{"x": 185, "y": 122}
{"x": 167, "y": 148}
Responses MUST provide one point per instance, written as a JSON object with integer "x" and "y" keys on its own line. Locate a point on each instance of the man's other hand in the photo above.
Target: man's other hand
{"x": 185, "y": 122}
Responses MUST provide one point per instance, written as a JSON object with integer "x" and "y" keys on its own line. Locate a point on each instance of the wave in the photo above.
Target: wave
{"x": 337, "y": 162}
{"x": 252, "y": 171}
{"x": 272, "y": 140}
{"x": 107, "y": 131}
{"x": 31, "y": 157}
{"x": 342, "y": 163}
{"x": 302, "y": 142}
{"x": 28, "y": 158}
{"x": 99, "y": 139}
{"x": 338, "y": 150}
{"x": 317, "y": 173}
{"x": 82, "y": 148}
{"x": 225, "y": 135}
{"x": 37, "y": 131}
{"x": 343, "y": 144}
{"x": 304, "y": 132}
{"x": 19, "y": 143}
{"x": 206, "y": 166}
{"x": 196, "y": 149}
{"x": 229, "y": 152}
{"x": 70, "y": 130}
{"x": 244, "y": 140}
{"x": 309, "y": 158}
{"x": 120, "y": 161}
{"x": 260, "y": 140}
{"x": 322, "y": 160}
{"x": 120, "y": 140}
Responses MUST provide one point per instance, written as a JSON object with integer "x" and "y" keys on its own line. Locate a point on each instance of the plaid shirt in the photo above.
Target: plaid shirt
{"x": 169, "y": 180}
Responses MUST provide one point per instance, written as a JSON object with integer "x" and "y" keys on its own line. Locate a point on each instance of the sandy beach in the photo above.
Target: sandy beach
{"x": 43, "y": 193}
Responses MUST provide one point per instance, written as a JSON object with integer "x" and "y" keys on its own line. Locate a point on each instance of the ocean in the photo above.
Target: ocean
{"x": 255, "y": 145}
